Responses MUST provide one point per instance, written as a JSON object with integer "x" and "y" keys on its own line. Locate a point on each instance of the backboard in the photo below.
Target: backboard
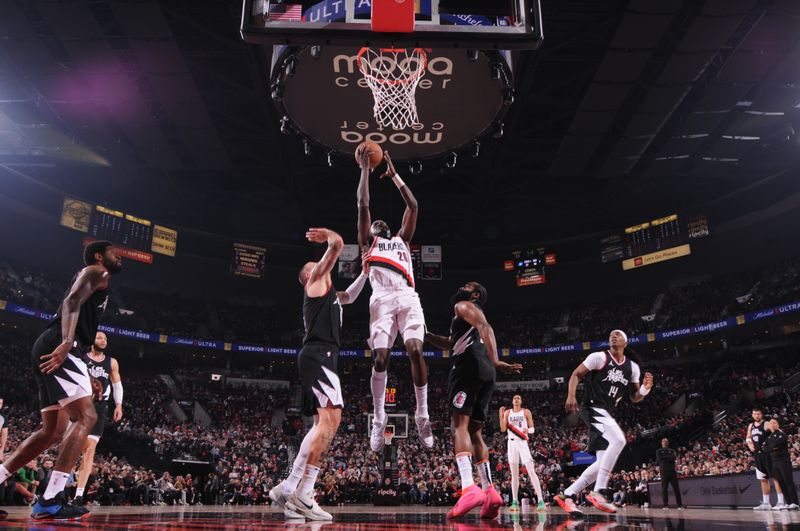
{"x": 484, "y": 24}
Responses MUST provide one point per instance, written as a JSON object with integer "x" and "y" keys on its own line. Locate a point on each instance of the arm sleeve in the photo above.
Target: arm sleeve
{"x": 117, "y": 388}
{"x": 595, "y": 361}
{"x": 354, "y": 289}
{"x": 635, "y": 373}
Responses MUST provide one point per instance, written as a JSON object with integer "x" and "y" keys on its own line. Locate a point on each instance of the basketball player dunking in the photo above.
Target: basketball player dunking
{"x": 469, "y": 390}
{"x": 611, "y": 375}
{"x": 518, "y": 421}
{"x": 394, "y": 306}
{"x": 317, "y": 366}
{"x": 65, "y": 389}
{"x": 104, "y": 369}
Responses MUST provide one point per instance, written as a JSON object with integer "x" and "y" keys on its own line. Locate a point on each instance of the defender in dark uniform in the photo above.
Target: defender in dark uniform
{"x": 469, "y": 390}
{"x": 317, "y": 366}
{"x": 777, "y": 446}
{"x": 64, "y": 386}
{"x": 611, "y": 376}
{"x": 105, "y": 370}
{"x": 757, "y": 434}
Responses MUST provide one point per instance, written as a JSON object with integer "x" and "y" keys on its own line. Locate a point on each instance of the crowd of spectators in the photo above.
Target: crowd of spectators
{"x": 684, "y": 304}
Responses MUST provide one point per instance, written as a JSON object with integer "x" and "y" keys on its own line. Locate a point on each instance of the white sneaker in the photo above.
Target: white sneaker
{"x": 793, "y": 507}
{"x": 277, "y": 496}
{"x": 600, "y": 502}
{"x": 376, "y": 440}
{"x": 425, "y": 431}
{"x": 780, "y": 507}
{"x": 307, "y": 507}
{"x": 763, "y": 507}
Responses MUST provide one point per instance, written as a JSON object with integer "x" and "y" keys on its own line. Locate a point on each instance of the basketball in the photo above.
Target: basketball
{"x": 376, "y": 153}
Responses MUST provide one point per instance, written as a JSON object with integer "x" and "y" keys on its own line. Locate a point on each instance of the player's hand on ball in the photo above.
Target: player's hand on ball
{"x": 648, "y": 380}
{"x": 363, "y": 159}
{"x": 572, "y": 404}
{"x": 390, "y": 171}
{"x": 317, "y": 235}
{"x": 97, "y": 388}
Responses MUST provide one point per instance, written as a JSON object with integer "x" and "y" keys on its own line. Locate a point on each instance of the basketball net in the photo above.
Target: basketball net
{"x": 392, "y": 75}
{"x": 387, "y": 437}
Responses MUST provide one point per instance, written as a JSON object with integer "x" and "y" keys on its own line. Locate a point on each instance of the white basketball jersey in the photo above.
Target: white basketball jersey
{"x": 517, "y": 425}
{"x": 390, "y": 265}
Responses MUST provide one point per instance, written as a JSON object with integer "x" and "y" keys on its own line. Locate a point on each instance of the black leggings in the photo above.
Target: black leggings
{"x": 670, "y": 478}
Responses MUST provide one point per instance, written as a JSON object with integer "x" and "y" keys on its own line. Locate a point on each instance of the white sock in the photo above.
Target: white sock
{"x": 309, "y": 479}
{"x": 57, "y": 483}
{"x": 289, "y": 485}
{"x": 464, "y": 462}
{"x": 79, "y": 491}
{"x": 485, "y": 473}
{"x": 537, "y": 485}
{"x": 781, "y": 501}
{"x": 765, "y": 498}
{"x": 378, "y": 385}
{"x": 587, "y": 478}
{"x": 4, "y": 474}
{"x": 514, "y": 482}
{"x": 607, "y": 462}
{"x": 422, "y": 400}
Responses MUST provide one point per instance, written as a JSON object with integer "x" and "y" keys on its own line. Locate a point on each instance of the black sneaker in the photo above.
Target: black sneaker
{"x": 78, "y": 501}
{"x": 57, "y": 509}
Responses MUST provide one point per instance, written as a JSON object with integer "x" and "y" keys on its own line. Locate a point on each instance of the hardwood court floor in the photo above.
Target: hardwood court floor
{"x": 370, "y": 518}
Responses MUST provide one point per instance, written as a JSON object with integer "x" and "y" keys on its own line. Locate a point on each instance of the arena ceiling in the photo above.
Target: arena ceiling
{"x": 631, "y": 109}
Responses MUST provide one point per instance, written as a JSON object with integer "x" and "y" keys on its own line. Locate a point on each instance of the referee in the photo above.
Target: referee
{"x": 778, "y": 448}
{"x": 666, "y": 458}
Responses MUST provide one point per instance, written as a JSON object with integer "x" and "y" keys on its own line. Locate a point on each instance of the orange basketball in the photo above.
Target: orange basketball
{"x": 376, "y": 153}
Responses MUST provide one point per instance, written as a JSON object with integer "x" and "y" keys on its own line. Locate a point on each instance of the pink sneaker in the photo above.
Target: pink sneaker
{"x": 492, "y": 503}
{"x": 471, "y": 497}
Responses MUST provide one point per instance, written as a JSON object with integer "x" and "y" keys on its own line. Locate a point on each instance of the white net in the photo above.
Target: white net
{"x": 393, "y": 75}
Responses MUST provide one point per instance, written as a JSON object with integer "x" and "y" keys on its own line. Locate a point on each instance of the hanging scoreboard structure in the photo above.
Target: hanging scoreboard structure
{"x": 248, "y": 260}
{"x": 530, "y": 266}
{"x": 134, "y": 237}
{"x": 653, "y": 241}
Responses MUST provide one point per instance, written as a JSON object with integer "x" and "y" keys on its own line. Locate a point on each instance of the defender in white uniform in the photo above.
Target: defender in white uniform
{"x": 518, "y": 422}
{"x": 394, "y": 306}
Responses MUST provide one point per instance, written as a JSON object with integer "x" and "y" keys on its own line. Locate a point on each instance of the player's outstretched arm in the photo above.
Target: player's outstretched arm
{"x": 638, "y": 393}
{"x": 89, "y": 280}
{"x": 409, "y": 225}
{"x": 442, "y": 342}
{"x": 335, "y": 245}
{"x": 362, "y": 196}
{"x": 117, "y": 391}
{"x": 577, "y": 375}
{"x": 474, "y": 315}
{"x": 352, "y": 292}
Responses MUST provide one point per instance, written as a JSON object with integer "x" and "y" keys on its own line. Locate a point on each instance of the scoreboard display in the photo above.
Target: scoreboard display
{"x": 650, "y": 242}
{"x": 248, "y": 260}
{"x": 123, "y": 229}
{"x": 530, "y": 266}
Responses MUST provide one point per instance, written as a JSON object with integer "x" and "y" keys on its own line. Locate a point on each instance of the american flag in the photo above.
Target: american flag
{"x": 285, "y": 12}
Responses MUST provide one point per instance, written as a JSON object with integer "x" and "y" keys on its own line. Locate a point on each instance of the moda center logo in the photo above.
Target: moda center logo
{"x": 440, "y": 71}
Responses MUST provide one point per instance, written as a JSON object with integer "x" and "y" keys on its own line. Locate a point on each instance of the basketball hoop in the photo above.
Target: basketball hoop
{"x": 392, "y": 75}
{"x": 388, "y": 435}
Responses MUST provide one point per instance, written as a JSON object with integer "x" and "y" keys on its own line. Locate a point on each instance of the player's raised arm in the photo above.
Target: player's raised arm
{"x": 409, "y": 225}
{"x": 352, "y": 292}
{"x": 472, "y": 314}
{"x": 362, "y": 196}
{"x": 335, "y": 245}
{"x": 503, "y": 418}
{"x": 89, "y": 280}
{"x": 637, "y": 392}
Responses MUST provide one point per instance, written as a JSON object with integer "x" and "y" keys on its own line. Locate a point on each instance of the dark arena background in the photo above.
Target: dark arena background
{"x": 596, "y": 165}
